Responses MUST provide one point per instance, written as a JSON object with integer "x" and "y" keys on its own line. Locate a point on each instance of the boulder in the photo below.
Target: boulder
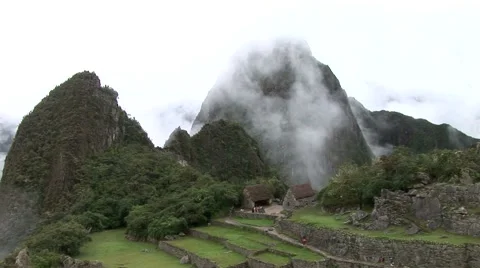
{"x": 423, "y": 177}
{"x": 413, "y": 229}
{"x": 462, "y": 211}
{"x": 465, "y": 177}
{"x": 185, "y": 259}
{"x": 427, "y": 208}
{"x": 169, "y": 237}
{"x": 358, "y": 215}
{"x": 69, "y": 262}
{"x": 380, "y": 223}
{"x": 23, "y": 259}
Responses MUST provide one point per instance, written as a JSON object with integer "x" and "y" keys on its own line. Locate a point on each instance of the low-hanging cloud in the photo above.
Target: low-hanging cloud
{"x": 275, "y": 88}
{"x": 365, "y": 122}
{"x": 7, "y": 131}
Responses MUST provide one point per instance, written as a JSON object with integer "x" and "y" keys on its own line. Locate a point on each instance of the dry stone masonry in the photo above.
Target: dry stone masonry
{"x": 454, "y": 208}
{"x": 411, "y": 253}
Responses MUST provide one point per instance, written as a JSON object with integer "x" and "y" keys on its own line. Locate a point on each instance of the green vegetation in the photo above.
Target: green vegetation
{"x": 210, "y": 250}
{"x": 222, "y": 149}
{"x": 256, "y": 241}
{"x": 272, "y": 258}
{"x": 241, "y": 238}
{"x": 65, "y": 152}
{"x": 319, "y": 219}
{"x": 300, "y": 253}
{"x": 358, "y": 185}
{"x": 113, "y": 250}
{"x": 142, "y": 189}
{"x": 255, "y": 222}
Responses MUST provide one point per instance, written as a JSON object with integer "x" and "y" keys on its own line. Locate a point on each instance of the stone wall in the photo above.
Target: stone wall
{"x": 254, "y": 263}
{"x": 308, "y": 201}
{"x": 290, "y": 202}
{"x": 206, "y": 236}
{"x": 179, "y": 253}
{"x": 172, "y": 250}
{"x": 249, "y": 215}
{"x": 438, "y": 205}
{"x": 69, "y": 262}
{"x": 242, "y": 251}
{"x": 404, "y": 253}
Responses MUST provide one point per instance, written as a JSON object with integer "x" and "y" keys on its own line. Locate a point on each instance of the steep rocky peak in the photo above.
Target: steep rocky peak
{"x": 87, "y": 77}
{"x": 293, "y": 105}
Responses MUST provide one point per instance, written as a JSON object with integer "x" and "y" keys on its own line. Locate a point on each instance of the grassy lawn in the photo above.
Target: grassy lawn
{"x": 272, "y": 258}
{"x": 300, "y": 253}
{"x": 257, "y": 241}
{"x": 210, "y": 250}
{"x": 317, "y": 218}
{"x": 255, "y": 222}
{"x": 111, "y": 248}
{"x": 239, "y": 237}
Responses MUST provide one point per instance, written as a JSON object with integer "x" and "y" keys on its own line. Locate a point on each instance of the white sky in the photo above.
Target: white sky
{"x": 162, "y": 54}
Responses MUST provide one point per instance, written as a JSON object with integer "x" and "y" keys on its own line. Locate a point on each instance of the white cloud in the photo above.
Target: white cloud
{"x": 159, "y": 54}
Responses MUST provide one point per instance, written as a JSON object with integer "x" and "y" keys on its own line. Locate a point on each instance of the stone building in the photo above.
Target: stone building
{"x": 256, "y": 195}
{"x": 299, "y": 196}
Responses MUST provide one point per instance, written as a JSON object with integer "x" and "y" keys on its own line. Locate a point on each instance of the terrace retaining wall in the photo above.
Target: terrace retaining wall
{"x": 404, "y": 253}
{"x": 194, "y": 259}
{"x": 206, "y": 236}
{"x": 249, "y": 215}
{"x": 243, "y": 251}
{"x": 254, "y": 263}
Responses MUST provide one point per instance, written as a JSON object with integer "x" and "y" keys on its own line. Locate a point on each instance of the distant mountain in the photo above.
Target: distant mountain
{"x": 384, "y": 130}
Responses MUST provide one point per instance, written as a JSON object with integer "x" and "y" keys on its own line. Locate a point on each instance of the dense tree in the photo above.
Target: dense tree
{"x": 358, "y": 185}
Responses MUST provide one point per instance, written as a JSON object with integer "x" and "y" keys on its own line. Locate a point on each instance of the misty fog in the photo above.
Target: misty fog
{"x": 278, "y": 87}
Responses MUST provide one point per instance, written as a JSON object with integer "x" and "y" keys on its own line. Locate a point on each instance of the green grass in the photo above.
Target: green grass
{"x": 317, "y": 218}
{"x": 300, "y": 253}
{"x": 256, "y": 241}
{"x": 111, "y": 248}
{"x": 241, "y": 238}
{"x": 255, "y": 222}
{"x": 272, "y": 258}
{"x": 210, "y": 250}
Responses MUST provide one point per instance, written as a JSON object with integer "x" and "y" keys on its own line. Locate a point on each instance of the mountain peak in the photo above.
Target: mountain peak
{"x": 77, "y": 119}
{"x": 293, "y": 105}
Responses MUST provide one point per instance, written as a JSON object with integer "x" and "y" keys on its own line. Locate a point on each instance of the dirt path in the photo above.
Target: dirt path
{"x": 272, "y": 231}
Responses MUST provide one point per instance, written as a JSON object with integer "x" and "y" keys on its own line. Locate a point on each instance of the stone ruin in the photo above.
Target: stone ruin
{"x": 453, "y": 207}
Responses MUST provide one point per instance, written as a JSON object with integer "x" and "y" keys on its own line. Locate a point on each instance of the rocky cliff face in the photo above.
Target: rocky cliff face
{"x": 77, "y": 119}
{"x": 222, "y": 149}
{"x": 384, "y": 130}
{"x": 294, "y": 106}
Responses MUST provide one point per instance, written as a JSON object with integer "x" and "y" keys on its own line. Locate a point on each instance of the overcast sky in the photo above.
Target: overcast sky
{"x": 418, "y": 57}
